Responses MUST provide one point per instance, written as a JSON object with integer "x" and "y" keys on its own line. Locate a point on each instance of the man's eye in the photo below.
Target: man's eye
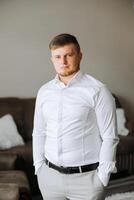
{"x": 57, "y": 57}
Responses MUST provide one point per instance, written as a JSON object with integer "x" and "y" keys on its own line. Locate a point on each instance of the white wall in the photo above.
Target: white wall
{"x": 105, "y": 30}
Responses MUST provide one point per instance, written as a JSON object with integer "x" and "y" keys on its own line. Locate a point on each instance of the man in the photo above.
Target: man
{"x": 74, "y": 135}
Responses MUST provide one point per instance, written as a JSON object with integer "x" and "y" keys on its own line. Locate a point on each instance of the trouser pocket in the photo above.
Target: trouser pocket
{"x": 97, "y": 180}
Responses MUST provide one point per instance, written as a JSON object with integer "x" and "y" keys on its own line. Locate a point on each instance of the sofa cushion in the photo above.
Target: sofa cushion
{"x": 9, "y": 135}
{"x": 8, "y": 161}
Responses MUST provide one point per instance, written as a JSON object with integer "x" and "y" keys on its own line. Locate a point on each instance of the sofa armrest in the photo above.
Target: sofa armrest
{"x": 7, "y": 161}
{"x": 126, "y": 145}
{"x": 125, "y": 156}
{"x": 130, "y": 126}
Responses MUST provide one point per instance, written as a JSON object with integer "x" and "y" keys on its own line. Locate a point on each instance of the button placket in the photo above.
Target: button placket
{"x": 60, "y": 114}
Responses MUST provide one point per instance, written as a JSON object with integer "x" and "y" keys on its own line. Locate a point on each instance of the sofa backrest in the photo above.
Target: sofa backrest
{"x": 117, "y": 102}
{"x": 28, "y": 116}
{"x": 22, "y": 111}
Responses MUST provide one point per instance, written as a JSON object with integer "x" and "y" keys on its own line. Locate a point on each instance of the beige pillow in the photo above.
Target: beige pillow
{"x": 121, "y": 120}
{"x": 9, "y": 136}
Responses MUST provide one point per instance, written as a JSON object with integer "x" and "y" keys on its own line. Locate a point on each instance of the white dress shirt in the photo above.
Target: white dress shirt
{"x": 75, "y": 125}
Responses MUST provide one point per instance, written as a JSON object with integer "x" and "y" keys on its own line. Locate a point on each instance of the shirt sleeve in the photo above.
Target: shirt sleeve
{"x": 106, "y": 118}
{"x": 38, "y": 134}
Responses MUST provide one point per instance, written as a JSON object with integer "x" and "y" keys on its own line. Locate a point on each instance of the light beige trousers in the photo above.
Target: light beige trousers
{"x": 81, "y": 186}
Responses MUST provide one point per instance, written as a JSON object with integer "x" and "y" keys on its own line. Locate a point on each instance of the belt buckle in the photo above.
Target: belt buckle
{"x": 47, "y": 162}
{"x": 80, "y": 169}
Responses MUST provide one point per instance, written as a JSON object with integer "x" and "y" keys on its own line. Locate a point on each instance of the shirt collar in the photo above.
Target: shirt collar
{"x": 76, "y": 77}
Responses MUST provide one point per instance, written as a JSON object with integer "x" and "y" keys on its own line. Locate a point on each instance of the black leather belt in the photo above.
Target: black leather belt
{"x": 72, "y": 170}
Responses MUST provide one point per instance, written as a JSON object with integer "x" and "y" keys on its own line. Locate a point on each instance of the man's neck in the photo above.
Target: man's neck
{"x": 66, "y": 79}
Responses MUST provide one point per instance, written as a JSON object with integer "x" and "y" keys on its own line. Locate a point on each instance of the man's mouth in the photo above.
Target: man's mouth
{"x": 64, "y": 66}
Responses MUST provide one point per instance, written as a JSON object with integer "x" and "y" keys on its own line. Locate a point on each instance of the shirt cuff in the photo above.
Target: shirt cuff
{"x": 104, "y": 178}
{"x": 37, "y": 166}
{"x": 104, "y": 171}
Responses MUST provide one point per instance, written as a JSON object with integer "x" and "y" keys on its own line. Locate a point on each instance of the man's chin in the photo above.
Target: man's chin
{"x": 65, "y": 74}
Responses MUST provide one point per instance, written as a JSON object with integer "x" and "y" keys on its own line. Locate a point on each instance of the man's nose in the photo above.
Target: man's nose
{"x": 64, "y": 60}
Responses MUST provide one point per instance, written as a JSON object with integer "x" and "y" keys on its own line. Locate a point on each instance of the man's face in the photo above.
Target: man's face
{"x": 66, "y": 59}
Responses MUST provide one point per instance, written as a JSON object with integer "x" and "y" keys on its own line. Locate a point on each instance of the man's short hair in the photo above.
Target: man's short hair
{"x": 64, "y": 39}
